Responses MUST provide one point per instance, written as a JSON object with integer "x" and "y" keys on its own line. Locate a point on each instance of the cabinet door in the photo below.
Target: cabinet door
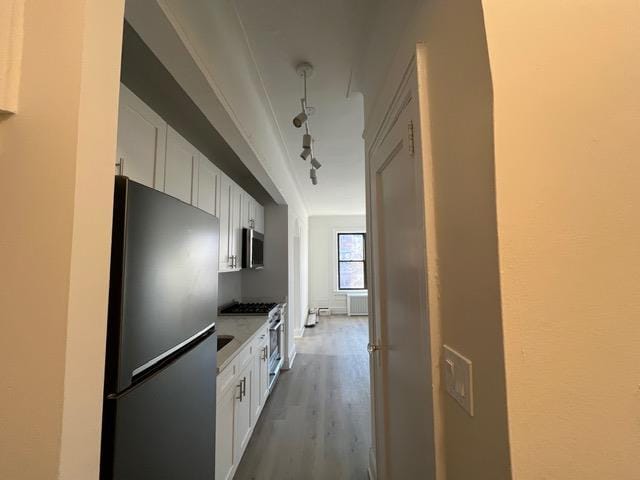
{"x": 246, "y": 210}
{"x": 236, "y": 226}
{"x": 142, "y": 137}
{"x": 259, "y": 217}
{"x": 224, "y": 433}
{"x": 180, "y": 167}
{"x": 225, "y": 216}
{"x": 257, "y": 388}
{"x": 208, "y": 190}
{"x": 242, "y": 413}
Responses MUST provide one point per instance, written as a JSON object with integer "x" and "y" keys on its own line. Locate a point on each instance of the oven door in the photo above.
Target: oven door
{"x": 275, "y": 344}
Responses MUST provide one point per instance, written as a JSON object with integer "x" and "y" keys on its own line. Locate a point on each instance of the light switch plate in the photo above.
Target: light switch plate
{"x": 458, "y": 378}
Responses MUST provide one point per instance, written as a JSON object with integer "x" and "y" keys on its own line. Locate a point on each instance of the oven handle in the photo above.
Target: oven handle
{"x": 276, "y": 326}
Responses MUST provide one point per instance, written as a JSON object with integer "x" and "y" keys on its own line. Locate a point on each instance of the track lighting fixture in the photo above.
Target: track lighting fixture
{"x": 305, "y": 70}
{"x": 300, "y": 119}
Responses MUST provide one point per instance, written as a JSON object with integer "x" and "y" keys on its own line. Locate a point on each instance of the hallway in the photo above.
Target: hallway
{"x": 316, "y": 423}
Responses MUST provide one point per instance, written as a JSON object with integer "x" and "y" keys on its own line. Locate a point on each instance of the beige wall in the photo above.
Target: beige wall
{"x": 464, "y": 286}
{"x": 567, "y": 129}
{"x": 55, "y": 204}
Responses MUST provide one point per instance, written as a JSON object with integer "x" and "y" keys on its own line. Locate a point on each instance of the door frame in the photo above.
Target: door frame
{"x": 413, "y": 83}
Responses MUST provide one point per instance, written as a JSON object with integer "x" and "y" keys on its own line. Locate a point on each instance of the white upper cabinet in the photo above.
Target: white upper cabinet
{"x": 142, "y": 135}
{"x": 252, "y": 213}
{"x": 247, "y": 210}
{"x": 236, "y": 225}
{"x": 259, "y": 218}
{"x": 154, "y": 154}
{"x": 208, "y": 189}
{"x": 226, "y": 260}
{"x": 180, "y": 175}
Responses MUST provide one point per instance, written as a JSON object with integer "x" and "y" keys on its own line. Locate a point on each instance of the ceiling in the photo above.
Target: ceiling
{"x": 280, "y": 34}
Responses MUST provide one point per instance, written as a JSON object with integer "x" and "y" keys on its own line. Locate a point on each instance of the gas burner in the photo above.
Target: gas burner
{"x": 248, "y": 309}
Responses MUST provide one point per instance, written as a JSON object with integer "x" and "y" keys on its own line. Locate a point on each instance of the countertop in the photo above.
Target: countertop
{"x": 243, "y": 330}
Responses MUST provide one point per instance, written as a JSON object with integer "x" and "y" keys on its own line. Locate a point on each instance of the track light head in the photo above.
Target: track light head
{"x": 305, "y": 153}
{"x": 313, "y": 176}
{"x": 306, "y": 141}
{"x": 315, "y": 163}
{"x": 299, "y": 120}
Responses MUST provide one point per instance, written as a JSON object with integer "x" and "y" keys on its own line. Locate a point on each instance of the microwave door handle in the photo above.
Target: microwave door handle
{"x": 250, "y": 262}
{"x": 276, "y": 326}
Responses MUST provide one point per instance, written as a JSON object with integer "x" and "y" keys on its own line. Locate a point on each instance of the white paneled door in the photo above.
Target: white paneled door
{"x": 400, "y": 335}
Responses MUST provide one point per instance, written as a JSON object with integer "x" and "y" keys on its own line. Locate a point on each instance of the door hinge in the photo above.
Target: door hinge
{"x": 412, "y": 146}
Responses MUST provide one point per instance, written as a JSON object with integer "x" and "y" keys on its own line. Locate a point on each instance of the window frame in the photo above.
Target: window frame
{"x": 338, "y": 261}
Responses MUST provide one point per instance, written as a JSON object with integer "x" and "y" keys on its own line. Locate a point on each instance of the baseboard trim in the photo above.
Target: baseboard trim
{"x": 371, "y": 470}
{"x": 289, "y": 363}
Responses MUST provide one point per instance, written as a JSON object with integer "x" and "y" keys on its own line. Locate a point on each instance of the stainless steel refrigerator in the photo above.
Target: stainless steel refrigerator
{"x": 160, "y": 374}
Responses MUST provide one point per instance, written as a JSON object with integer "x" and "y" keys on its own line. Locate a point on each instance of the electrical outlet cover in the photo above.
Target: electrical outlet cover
{"x": 458, "y": 378}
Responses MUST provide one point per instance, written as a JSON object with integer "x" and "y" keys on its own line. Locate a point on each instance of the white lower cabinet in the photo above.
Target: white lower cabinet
{"x": 242, "y": 392}
{"x": 224, "y": 431}
{"x": 260, "y": 378}
{"x": 242, "y": 413}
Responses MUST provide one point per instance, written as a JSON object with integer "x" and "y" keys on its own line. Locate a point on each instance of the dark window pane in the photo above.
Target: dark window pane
{"x": 351, "y": 275}
{"x": 351, "y": 246}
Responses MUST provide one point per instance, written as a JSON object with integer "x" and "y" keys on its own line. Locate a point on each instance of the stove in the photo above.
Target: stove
{"x": 248, "y": 309}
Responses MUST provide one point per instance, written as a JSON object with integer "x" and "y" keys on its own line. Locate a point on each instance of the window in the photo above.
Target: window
{"x": 352, "y": 263}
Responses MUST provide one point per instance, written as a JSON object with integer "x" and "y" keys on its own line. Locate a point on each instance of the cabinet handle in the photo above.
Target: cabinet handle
{"x": 244, "y": 387}
{"x": 264, "y": 353}
{"x": 120, "y": 165}
{"x": 239, "y": 397}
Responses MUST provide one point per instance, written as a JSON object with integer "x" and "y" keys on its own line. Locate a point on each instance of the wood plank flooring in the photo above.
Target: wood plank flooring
{"x": 316, "y": 423}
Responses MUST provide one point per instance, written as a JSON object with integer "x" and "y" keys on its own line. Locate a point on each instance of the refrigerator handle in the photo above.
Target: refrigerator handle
{"x": 149, "y": 369}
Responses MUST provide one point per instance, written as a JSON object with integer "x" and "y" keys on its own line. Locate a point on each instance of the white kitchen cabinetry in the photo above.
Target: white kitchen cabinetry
{"x": 208, "y": 188}
{"x": 260, "y": 377}
{"x": 236, "y": 224}
{"x": 252, "y": 213}
{"x": 154, "y": 154}
{"x": 242, "y": 412}
{"x": 259, "y": 218}
{"x": 142, "y": 137}
{"x": 224, "y": 433}
{"x": 180, "y": 175}
{"x": 242, "y": 390}
{"x": 230, "y": 225}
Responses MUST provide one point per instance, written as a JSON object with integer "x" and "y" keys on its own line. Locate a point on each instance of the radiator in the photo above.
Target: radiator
{"x": 357, "y": 304}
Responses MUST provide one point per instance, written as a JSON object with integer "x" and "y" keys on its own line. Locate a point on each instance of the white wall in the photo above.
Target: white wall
{"x": 322, "y": 257}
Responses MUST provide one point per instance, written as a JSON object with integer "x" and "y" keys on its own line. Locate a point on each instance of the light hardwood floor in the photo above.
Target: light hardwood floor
{"x": 316, "y": 424}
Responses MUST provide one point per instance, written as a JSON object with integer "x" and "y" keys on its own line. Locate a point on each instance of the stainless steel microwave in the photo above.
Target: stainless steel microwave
{"x": 252, "y": 249}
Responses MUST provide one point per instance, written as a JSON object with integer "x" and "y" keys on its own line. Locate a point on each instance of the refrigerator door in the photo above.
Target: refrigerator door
{"x": 164, "y": 428}
{"x": 164, "y": 279}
